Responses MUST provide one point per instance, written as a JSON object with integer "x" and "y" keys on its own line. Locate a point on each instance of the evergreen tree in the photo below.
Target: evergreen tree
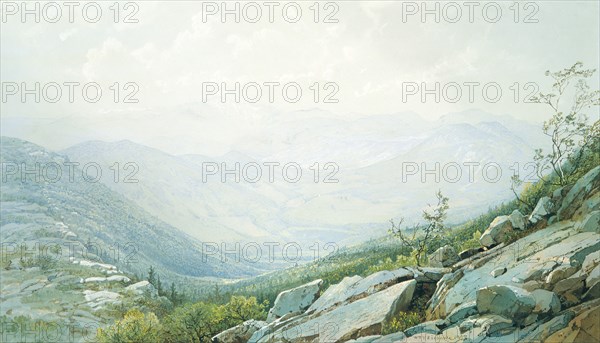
{"x": 152, "y": 276}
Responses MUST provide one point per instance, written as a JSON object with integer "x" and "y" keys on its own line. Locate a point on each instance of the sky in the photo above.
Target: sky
{"x": 366, "y": 57}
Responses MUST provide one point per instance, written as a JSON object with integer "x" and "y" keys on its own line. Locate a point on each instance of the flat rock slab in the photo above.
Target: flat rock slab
{"x": 356, "y": 286}
{"x": 360, "y": 318}
{"x": 295, "y": 300}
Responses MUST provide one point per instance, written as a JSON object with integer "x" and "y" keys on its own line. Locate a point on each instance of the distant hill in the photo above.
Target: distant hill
{"x": 81, "y": 212}
{"x": 370, "y": 154}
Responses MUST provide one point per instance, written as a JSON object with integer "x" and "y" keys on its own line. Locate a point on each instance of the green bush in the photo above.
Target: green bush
{"x": 401, "y": 322}
{"x": 472, "y": 243}
{"x": 197, "y": 322}
{"x": 135, "y": 327}
{"x": 240, "y": 309}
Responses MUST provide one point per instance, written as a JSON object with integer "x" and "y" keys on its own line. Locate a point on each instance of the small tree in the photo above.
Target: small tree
{"x": 173, "y": 294}
{"x": 571, "y": 133}
{"x": 152, "y": 276}
{"x": 158, "y": 286}
{"x": 423, "y": 234}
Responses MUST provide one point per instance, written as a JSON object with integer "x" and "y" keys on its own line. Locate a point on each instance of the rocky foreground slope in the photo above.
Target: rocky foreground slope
{"x": 542, "y": 287}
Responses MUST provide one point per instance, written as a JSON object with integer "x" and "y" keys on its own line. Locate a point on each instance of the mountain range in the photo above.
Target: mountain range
{"x": 369, "y": 153}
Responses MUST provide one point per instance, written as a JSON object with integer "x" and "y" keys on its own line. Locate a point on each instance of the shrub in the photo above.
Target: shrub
{"x": 401, "y": 322}
{"x": 472, "y": 243}
{"x": 134, "y": 327}
{"x": 197, "y": 322}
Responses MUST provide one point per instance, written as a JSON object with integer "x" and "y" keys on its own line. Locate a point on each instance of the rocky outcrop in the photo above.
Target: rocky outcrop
{"x": 295, "y": 300}
{"x": 533, "y": 279}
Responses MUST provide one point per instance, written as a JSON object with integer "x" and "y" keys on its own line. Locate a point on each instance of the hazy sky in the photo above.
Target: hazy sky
{"x": 374, "y": 51}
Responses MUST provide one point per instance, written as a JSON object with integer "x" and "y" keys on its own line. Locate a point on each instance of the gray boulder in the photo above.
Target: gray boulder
{"x": 518, "y": 220}
{"x": 498, "y": 271}
{"x": 546, "y": 302}
{"x": 428, "y": 274}
{"x": 560, "y": 273}
{"x": 497, "y": 232}
{"x": 542, "y": 210}
{"x": 507, "y": 301}
{"x": 295, "y": 300}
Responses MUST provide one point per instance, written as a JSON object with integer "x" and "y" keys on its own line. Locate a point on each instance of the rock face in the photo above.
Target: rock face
{"x": 497, "y": 232}
{"x": 239, "y": 334}
{"x": 443, "y": 257}
{"x": 295, "y": 300}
